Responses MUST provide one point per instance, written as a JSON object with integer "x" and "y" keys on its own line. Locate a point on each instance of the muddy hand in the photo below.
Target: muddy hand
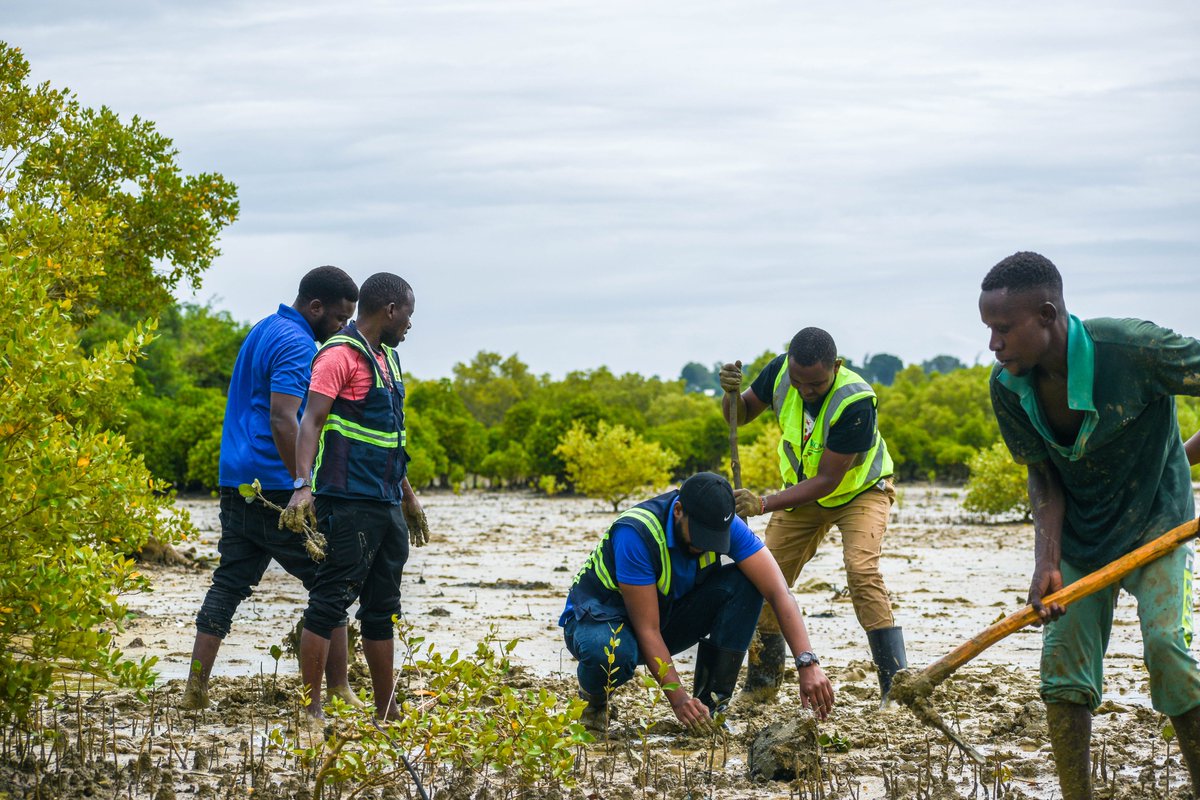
{"x": 747, "y": 503}
{"x": 691, "y": 712}
{"x": 299, "y": 513}
{"x": 730, "y": 377}
{"x": 816, "y": 692}
{"x": 1046, "y": 581}
{"x": 418, "y": 526}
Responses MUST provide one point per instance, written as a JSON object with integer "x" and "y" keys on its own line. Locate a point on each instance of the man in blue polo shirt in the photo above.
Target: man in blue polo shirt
{"x": 258, "y": 442}
{"x": 658, "y": 572}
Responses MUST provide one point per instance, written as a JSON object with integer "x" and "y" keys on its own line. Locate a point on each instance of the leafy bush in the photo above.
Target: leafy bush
{"x": 997, "y": 484}
{"x": 462, "y": 726}
{"x": 615, "y": 463}
{"x": 934, "y": 423}
{"x": 760, "y": 461}
{"x": 76, "y": 498}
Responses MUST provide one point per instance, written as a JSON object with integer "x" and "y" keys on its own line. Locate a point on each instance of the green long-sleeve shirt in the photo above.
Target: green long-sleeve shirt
{"x": 1126, "y": 475}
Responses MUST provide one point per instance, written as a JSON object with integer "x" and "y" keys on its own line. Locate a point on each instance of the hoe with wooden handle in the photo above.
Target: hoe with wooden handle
{"x": 914, "y": 688}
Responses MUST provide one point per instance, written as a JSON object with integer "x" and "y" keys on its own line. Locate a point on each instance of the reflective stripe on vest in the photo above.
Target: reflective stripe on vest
{"x": 364, "y": 425}
{"x": 595, "y": 561}
{"x": 868, "y": 467}
{"x": 660, "y": 538}
{"x": 352, "y": 430}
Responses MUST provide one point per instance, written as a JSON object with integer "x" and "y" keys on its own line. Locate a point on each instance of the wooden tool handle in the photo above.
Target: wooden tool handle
{"x": 1088, "y": 584}
{"x": 735, "y": 466}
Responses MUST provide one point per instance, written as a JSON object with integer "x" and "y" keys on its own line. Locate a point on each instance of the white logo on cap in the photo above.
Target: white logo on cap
{"x": 728, "y": 518}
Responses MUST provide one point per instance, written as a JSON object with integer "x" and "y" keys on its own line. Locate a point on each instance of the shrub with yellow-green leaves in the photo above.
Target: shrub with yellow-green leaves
{"x": 74, "y": 500}
{"x": 614, "y": 463}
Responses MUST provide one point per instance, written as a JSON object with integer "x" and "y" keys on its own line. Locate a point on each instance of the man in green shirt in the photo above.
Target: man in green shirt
{"x": 1089, "y": 408}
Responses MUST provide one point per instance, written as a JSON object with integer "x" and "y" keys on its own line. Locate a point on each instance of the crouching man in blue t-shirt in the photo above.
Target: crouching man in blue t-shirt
{"x": 658, "y": 572}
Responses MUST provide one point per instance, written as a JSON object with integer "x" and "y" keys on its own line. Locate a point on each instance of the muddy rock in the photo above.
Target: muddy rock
{"x": 785, "y": 750}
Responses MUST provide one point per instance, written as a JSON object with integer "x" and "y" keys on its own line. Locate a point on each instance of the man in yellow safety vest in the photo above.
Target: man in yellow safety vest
{"x": 836, "y": 470}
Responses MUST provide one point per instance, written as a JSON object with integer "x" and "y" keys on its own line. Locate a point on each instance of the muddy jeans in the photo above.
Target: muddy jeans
{"x": 793, "y": 538}
{"x": 365, "y": 556}
{"x": 250, "y": 538}
{"x": 723, "y": 608}
{"x": 1073, "y": 646}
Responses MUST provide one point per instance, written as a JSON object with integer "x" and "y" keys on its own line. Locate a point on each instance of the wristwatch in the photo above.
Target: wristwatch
{"x": 807, "y": 659}
{"x": 300, "y": 483}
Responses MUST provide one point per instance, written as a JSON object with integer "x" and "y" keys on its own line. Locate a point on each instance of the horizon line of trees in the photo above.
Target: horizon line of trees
{"x": 495, "y": 423}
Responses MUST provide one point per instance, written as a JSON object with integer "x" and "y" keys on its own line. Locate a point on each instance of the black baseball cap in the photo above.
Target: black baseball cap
{"x": 707, "y": 501}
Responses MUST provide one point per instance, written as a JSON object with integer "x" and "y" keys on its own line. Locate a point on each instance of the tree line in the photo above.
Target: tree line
{"x": 496, "y": 423}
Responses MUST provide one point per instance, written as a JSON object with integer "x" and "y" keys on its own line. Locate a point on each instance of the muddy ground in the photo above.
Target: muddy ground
{"x": 505, "y": 559}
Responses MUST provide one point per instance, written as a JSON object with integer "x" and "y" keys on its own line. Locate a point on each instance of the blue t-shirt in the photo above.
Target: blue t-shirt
{"x": 276, "y": 357}
{"x": 635, "y": 567}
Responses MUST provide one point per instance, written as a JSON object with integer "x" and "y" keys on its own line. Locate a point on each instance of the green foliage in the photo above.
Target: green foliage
{"x": 180, "y": 436}
{"x": 997, "y": 484}
{"x": 94, "y": 214}
{"x": 118, "y": 206}
{"x": 461, "y": 436}
{"x": 489, "y": 386}
{"x": 942, "y": 363}
{"x": 509, "y": 466}
{"x": 427, "y": 457}
{"x": 549, "y": 485}
{"x": 77, "y": 499}
{"x": 614, "y": 463}
{"x": 461, "y": 725}
{"x": 698, "y": 378}
{"x": 760, "y": 461}
{"x": 1188, "y": 411}
{"x": 691, "y": 426}
{"x": 934, "y": 423}
{"x": 879, "y": 368}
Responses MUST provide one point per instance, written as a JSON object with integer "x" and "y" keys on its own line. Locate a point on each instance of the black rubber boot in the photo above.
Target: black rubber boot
{"x": 716, "y": 675}
{"x": 764, "y": 673}
{"x": 598, "y": 713}
{"x": 887, "y": 651}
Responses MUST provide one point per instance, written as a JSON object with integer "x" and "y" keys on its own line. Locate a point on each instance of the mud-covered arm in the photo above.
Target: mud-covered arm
{"x": 761, "y": 569}
{"x": 1048, "y": 501}
{"x": 642, "y": 604}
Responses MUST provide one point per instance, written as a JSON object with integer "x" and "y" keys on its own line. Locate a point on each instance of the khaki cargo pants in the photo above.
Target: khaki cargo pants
{"x": 793, "y": 537}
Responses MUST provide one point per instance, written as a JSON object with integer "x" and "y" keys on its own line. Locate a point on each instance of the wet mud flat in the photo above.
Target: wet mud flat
{"x": 504, "y": 561}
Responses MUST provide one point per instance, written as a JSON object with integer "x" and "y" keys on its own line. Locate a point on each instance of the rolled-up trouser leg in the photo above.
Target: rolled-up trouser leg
{"x": 354, "y": 531}
{"x": 244, "y": 557}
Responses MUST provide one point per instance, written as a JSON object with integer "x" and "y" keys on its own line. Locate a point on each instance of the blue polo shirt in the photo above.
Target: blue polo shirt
{"x": 276, "y": 357}
{"x": 635, "y": 567}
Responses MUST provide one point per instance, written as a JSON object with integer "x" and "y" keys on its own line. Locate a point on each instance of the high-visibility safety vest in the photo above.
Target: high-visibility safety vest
{"x": 361, "y": 455}
{"x": 595, "y": 592}
{"x": 799, "y": 456}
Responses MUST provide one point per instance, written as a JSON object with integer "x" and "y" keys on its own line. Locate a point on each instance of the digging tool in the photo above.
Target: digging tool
{"x": 914, "y": 688}
{"x": 735, "y": 466}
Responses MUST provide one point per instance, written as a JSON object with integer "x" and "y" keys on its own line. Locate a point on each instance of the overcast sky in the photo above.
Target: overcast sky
{"x": 643, "y": 184}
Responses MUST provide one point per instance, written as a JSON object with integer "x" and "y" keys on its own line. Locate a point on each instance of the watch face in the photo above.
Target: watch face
{"x": 806, "y": 659}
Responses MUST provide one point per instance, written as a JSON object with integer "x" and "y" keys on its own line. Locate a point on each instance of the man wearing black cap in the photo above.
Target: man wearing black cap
{"x": 658, "y": 572}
